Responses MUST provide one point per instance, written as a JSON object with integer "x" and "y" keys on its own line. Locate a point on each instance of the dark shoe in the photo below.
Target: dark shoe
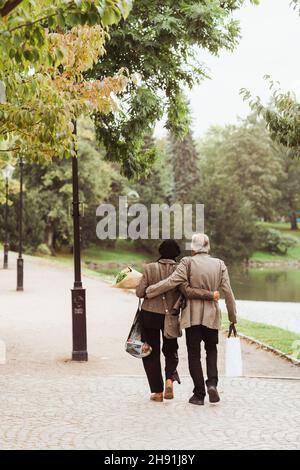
{"x": 213, "y": 394}
{"x": 194, "y": 400}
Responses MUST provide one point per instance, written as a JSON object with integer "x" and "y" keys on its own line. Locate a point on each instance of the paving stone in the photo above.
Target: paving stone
{"x": 253, "y": 414}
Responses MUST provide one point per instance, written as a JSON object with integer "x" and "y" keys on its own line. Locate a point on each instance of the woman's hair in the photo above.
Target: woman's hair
{"x": 169, "y": 249}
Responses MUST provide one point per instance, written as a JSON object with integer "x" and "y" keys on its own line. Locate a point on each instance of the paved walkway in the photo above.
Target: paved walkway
{"x": 74, "y": 412}
{"x": 49, "y": 402}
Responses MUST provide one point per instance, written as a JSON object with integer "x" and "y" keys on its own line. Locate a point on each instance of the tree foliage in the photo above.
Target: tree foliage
{"x": 229, "y": 215}
{"x": 244, "y": 153}
{"x": 184, "y": 161}
{"x": 288, "y": 204}
{"x": 48, "y": 196}
{"x": 183, "y": 174}
{"x": 160, "y": 41}
{"x": 45, "y": 48}
{"x": 229, "y": 218}
{"x": 282, "y": 117}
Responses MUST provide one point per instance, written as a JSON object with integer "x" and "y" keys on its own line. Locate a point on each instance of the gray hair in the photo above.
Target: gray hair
{"x": 200, "y": 243}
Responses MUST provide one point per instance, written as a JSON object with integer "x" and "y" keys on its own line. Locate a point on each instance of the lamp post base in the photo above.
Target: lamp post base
{"x": 80, "y": 356}
{"x": 20, "y": 274}
{"x": 5, "y": 256}
{"x": 79, "y": 352}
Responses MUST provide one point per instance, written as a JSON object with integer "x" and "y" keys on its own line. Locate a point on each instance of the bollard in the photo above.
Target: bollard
{"x": 2, "y": 352}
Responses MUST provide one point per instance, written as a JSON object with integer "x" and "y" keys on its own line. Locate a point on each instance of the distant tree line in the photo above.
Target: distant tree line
{"x": 237, "y": 172}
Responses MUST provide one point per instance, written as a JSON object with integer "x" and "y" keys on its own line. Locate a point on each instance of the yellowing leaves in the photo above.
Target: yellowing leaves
{"x": 41, "y": 105}
{"x": 2, "y": 92}
{"x": 79, "y": 49}
{"x": 45, "y": 47}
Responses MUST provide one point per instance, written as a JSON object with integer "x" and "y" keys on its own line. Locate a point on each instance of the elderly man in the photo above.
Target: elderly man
{"x": 201, "y": 318}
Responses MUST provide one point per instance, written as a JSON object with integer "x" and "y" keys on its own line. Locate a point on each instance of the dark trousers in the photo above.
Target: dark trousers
{"x": 152, "y": 363}
{"x": 194, "y": 336}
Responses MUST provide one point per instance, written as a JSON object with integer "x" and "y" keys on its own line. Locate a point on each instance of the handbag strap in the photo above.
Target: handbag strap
{"x": 166, "y": 308}
{"x": 137, "y": 316}
{"x": 189, "y": 267}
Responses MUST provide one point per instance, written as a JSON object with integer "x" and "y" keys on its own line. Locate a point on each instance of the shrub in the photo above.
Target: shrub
{"x": 273, "y": 241}
{"x": 43, "y": 250}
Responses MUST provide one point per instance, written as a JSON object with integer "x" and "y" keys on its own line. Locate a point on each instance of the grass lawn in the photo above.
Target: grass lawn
{"x": 106, "y": 262}
{"x": 111, "y": 259}
{"x": 271, "y": 335}
{"x": 292, "y": 254}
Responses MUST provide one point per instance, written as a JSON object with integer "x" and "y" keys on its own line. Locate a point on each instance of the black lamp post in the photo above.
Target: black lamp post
{"x": 79, "y": 352}
{"x": 7, "y": 173}
{"x": 20, "y": 261}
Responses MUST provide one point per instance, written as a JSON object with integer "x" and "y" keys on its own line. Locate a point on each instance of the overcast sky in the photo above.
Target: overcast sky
{"x": 269, "y": 46}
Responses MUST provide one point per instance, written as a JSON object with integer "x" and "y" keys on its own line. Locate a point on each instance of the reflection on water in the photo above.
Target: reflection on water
{"x": 269, "y": 284}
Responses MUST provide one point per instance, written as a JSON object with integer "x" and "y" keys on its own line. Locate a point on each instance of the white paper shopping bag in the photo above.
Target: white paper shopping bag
{"x": 233, "y": 357}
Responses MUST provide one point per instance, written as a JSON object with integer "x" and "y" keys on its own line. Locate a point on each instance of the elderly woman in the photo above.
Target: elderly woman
{"x": 157, "y": 317}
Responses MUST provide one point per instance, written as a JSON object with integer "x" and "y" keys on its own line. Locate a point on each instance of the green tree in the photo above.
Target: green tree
{"x": 45, "y": 48}
{"x": 249, "y": 156}
{"x": 229, "y": 217}
{"x": 281, "y": 116}
{"x": 155, "y": 187}
{"x": 184, "y": 161}
{"x": 159, "y": 41}
{"x": 282, "y": 119}
{"x": 288, "y": 204}
{"x": 245, "y": 154}
{"x": 47, "y": 198}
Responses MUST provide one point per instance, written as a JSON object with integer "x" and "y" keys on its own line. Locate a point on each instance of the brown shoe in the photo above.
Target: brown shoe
{"x": 157, "y": 397}
{"x": 169, "y": 392}
{"x": 213, "y": 394}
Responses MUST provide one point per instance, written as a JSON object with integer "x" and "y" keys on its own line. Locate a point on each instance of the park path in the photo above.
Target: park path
{"x": 49, "y": 402}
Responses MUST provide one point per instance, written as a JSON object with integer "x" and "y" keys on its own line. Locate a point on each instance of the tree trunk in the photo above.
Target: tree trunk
{"x": 294, "y": 224}
{"x": 49, "y": 238}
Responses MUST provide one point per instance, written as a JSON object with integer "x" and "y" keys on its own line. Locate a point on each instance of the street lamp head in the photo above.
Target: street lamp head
{"x": 8, "y": 171}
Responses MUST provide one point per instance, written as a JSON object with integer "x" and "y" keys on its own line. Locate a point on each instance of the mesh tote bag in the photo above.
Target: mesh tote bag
{"x": 135, "y": 346}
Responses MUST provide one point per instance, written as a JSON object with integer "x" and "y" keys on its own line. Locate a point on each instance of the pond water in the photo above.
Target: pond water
{"x": 268, "y": 284}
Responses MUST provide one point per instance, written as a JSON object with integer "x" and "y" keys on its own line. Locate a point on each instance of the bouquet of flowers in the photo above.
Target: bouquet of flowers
{"x": 128, "y": 278}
